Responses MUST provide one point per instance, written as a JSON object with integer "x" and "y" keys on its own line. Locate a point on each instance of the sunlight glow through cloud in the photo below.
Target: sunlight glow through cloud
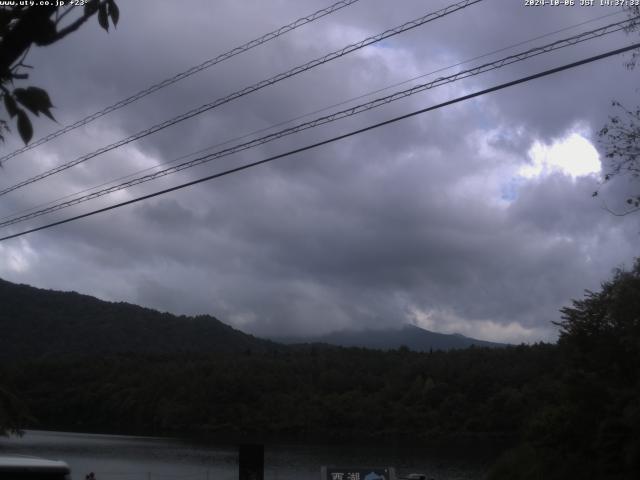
{"x": 573, "y": 155}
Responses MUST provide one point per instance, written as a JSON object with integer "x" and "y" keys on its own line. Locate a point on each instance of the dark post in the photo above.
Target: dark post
{"x": 251, "y": 462}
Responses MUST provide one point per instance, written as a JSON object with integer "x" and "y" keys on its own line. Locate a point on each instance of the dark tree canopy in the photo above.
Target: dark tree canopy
{"x": 591, "y": 429}
{"x": 21, "y": 27}
{"x": 611, "y": 314}
{"x": 602, "y": 330}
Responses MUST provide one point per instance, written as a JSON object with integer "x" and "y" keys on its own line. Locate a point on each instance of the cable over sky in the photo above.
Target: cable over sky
{"x": 463, "y": 98}
{"x": 184, "y": 74}
{"x": 40, "y": 206}
{"x": 486, "y": 67}
{"x": 250, "y": 89}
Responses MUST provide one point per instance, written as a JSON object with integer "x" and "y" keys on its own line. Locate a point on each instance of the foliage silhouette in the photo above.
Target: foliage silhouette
{"x": 620, "y": 138}
{"x": 21, "y": 27}
{"x": 591, "y": 428}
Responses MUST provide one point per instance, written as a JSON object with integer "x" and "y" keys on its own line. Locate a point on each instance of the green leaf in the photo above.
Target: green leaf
{"x": 24, "y": 126}
{"x": 10, "y": 105}
{"x": 26, "y": 99}
{"x": 35, "y": 99}
{"x": 103, "y": 18}
{"x": 49, "y": 114}
{"x": 114, "y": 12}
{"x": 42, "y": 100}
{"x": 41, "y": 96}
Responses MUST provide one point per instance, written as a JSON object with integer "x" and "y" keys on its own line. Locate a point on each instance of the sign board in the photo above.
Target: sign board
{"x": 357, "y": 473}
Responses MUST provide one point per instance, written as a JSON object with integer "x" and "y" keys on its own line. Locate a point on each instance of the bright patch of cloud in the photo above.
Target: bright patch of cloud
{"x": 573, "y": 155}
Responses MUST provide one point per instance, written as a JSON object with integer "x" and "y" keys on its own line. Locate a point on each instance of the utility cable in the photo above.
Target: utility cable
{"x": 247, "y": 90}
{"x": 332, "y": 139}
{"x": 518, "y": 57}
{"x": 308, "y": 114}
{"x": 182, "y": 75}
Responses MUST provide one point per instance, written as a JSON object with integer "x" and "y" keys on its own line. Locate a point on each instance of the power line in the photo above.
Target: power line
{"x": 247, "y": 90}
{"x": 332, "y": 139}
{"x": 265, "y": 129}
{"x": 518, "y": 57}
{"x": 187, "y": 73}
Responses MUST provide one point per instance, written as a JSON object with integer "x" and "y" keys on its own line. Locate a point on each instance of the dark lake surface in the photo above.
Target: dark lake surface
{"x": 113, "y": 457}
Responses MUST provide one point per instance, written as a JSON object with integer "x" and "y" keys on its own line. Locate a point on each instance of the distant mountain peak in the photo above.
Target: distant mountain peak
{"x": 409, "y": 335}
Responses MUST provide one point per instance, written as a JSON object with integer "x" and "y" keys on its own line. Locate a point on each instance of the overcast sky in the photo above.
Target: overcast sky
{"x": 476, "y": 218}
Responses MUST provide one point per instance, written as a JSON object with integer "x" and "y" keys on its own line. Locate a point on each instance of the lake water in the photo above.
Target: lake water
{"x": 113, "y": 457}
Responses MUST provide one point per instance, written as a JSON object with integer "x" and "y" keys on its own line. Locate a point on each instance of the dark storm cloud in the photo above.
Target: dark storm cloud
{"x": 429, "y": 220}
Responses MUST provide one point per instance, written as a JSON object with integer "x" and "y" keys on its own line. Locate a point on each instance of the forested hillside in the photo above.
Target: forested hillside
{"x": 40, "y": 323}
{"x": 341, "y": 393}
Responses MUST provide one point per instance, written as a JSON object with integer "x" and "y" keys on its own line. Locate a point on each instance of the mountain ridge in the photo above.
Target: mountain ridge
{"x": 37, "y": 322}
{"x": 411, "y": 336}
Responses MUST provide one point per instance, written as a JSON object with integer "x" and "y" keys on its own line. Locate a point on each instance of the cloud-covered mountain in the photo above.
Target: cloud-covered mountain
{"x": 410, "y": 336}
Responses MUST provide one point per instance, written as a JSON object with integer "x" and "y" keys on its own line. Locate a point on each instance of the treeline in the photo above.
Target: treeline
{"x": 330, "y": 392}
{"x": 590, "y": 427}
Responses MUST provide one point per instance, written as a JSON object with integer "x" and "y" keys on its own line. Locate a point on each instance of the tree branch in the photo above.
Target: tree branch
{"x": 28, "y": 29}
{"x": 21, "y": 36}
{"x": 64, "y": 14}
{"x": 72, "y": 27}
